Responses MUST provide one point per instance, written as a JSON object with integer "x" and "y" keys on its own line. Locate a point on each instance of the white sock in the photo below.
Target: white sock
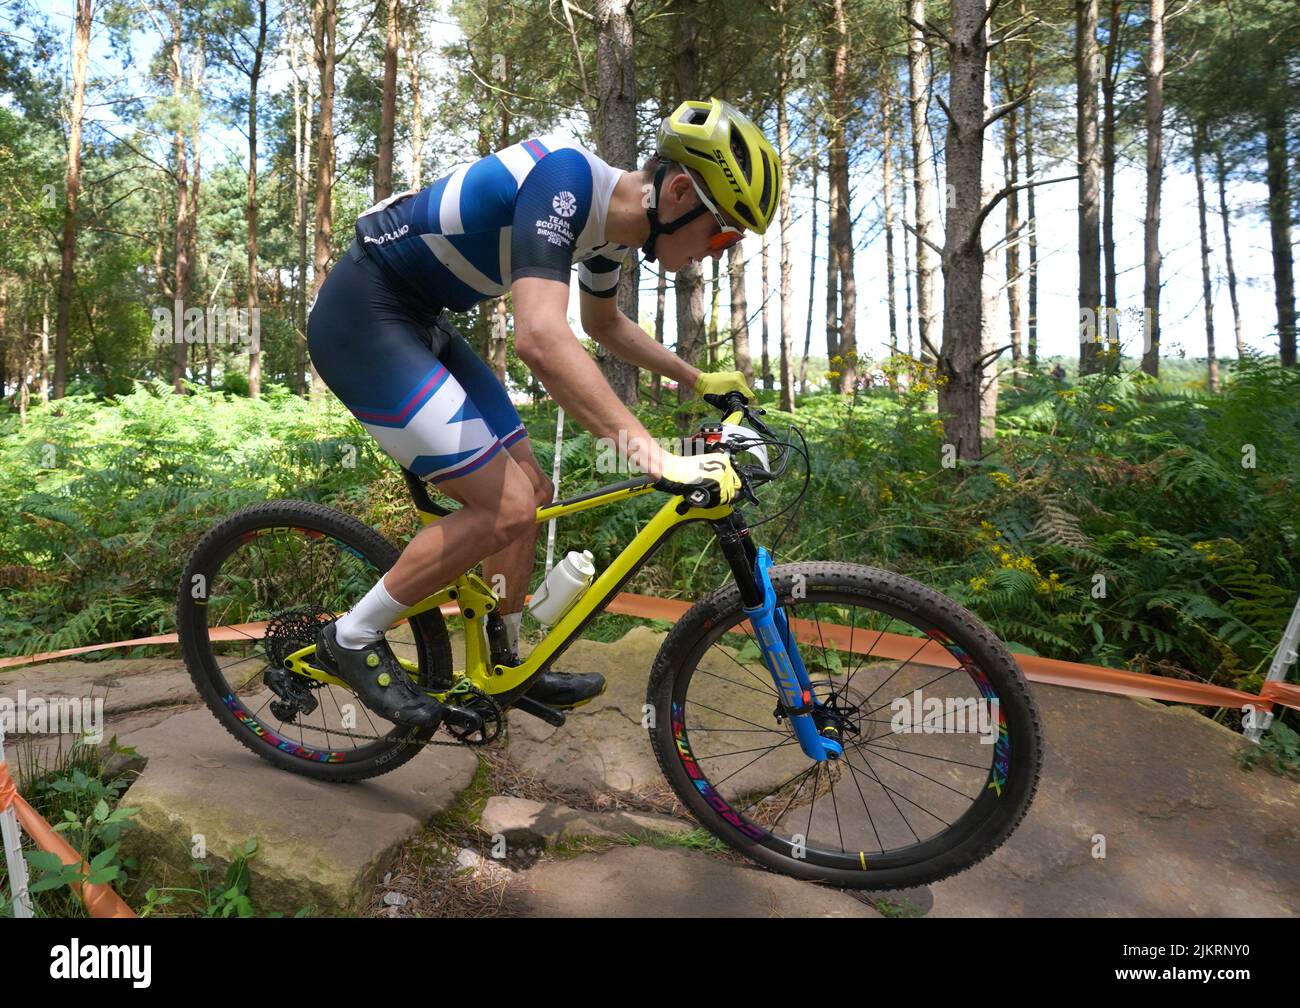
{"x": 366, "y": 622}
{"x": 513, "y": 620}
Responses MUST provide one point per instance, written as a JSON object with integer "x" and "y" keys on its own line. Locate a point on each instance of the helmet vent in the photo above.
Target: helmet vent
{"x": 764, "y": 199}
{"x": 741, "y": 153}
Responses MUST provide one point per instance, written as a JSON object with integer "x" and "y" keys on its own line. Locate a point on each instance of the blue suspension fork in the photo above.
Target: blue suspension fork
{"x": 780, "y": 654}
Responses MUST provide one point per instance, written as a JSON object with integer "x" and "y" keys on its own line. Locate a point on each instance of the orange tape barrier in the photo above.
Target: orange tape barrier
{"x": 1050, "y": 671}
{"x": 1042, "y": 670}
{"x": 100, "y": 900}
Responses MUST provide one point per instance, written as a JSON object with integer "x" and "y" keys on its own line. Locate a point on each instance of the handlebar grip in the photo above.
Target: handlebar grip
{"x": 697, "y": 496}
{"x": 727, "y": 402}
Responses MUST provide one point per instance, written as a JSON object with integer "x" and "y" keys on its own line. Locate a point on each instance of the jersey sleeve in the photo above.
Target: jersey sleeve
{"x": 598, "y": 276}
{"x": 551, "y": 210}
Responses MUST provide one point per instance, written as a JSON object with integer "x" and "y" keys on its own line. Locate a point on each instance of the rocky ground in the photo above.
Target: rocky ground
{"x": 578, "y": 821}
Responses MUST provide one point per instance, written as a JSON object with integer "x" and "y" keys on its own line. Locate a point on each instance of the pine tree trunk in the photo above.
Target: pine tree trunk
{"x": 181, "y": 271}
{"x": 1155, "y": 168}
{"x": 254, "y": 304}
{"x": 44, "y": 361}
{"x": 71, "y": 190}
{"x": 661, "y": 290}
{"x": 1207, "y": 295}
{"x": 1109, "y": 78}
{"x": 786, "y": 265}
{"x": 711, "y": 340}
{"x": 1031, "y": 220}
{"x": 410, "y": 41}
{"x": 905, "y": 376}
{"x": 387, "y": 106}
{"x": 928, "y": 237}
{"x": 616, "y": 142}
{"x": 1087, "y": 60}
{"x": 739, "y": 313}
{"x": 963, "y": 255}
{"x": 992, "y": 339}
{"x": 1279, "y": 225}
{"x": 196, "y": 177}
{"x": 324, "y": 25}
{"x": 500, "y": 339}
{"x": 832, "y": 272}
{"x": 887, "y": 198}
{"x": 765, "y": 293}
{"x": 301, "y": 143}
{"x": 812, "y": 262}
{"x": 1220, "y": 177}
{"x": 1011, "y": 162}
{"x": 689, "y": 283}
{"x": 839, "y": 162}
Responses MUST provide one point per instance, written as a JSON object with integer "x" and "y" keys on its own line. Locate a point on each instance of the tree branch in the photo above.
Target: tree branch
{"x": 930, "y": 28}
{"x": 993, "y": 6}
{"x": 922, "y": 237}
{"x": 1007, "y": 191}
{"x": 1007, "y": 108}
{"x": 944, "y": 105}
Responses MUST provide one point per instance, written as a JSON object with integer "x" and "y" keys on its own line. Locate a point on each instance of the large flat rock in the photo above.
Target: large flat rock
{"x": 602, "y": 746}
{"x": 125, "y": 685}
{"x": 670, "y": 882}
{"x": 320, "y": 844}
{"x": 522, "y": 821}
{"x": 1187, "y": 832}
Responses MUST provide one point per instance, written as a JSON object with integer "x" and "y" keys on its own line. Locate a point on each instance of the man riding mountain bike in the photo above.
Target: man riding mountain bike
{"x": 517, "y": 221}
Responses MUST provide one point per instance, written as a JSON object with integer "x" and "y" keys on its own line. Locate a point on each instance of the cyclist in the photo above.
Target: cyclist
{"x": 517, "y": 221}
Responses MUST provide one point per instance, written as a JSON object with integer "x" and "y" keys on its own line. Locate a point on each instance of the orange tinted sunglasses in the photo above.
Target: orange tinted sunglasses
{"x": 727, "y": 235}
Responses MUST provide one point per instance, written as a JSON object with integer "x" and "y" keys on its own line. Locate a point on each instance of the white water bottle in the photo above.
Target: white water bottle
{"x": 567, "y": 582}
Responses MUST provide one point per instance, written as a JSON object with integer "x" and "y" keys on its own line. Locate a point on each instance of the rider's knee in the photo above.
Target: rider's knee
{"x": 516, "y": 512}
{"x": 543, "y": 491}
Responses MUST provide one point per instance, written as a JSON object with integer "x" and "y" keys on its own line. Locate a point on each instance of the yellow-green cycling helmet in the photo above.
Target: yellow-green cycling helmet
{"x": 739, "y": 168}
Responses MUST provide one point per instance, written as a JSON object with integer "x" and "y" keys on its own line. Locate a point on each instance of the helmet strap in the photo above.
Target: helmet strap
{"x": 652, "y": 212}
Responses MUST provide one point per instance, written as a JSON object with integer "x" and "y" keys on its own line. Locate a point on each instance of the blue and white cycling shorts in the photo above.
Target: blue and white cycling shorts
{"x": 406, "y": 374}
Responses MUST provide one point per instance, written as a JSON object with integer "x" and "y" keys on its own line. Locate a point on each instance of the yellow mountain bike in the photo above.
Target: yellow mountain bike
{"x": 831, "y": 721}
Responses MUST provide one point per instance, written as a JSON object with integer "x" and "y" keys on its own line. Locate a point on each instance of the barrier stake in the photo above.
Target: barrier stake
{"x": 13, "y": 841}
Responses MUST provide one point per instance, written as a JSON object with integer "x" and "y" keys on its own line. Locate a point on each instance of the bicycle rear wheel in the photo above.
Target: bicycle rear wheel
{"x": 942, "y": 741}
{"x": 255, "y": 589}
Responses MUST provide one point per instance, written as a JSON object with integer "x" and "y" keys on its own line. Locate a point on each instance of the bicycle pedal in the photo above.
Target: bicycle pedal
{"x": 539, "y": 710}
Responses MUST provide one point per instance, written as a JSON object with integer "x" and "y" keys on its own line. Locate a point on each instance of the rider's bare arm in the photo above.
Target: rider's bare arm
{"x": 607, "y": 325}
{"x": 546, "y": 343}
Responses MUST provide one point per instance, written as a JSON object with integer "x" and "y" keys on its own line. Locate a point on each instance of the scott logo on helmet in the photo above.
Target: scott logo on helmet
{"x": 726, "y": 170}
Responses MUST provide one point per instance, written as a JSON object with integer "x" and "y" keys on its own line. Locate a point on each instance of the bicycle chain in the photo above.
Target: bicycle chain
{"x": 461, "y": 688}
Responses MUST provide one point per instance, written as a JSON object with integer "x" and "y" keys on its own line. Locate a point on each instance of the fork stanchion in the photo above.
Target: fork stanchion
{"x": 13, "y": 841}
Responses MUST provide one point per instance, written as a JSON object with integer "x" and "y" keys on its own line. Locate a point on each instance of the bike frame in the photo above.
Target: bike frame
{"x": 749, "y": 564}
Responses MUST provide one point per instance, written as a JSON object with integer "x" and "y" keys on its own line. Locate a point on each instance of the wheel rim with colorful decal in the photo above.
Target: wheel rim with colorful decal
{"x": 256, "y": 590}
{"x": 917, "y": 791}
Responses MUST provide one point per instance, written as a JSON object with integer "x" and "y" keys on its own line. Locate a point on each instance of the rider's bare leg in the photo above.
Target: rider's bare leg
{"x": 515, "y": 562}
{"x": 499, "y": 509}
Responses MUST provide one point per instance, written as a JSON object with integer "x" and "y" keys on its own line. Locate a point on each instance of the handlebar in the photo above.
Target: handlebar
{"x": 734, "y": 407}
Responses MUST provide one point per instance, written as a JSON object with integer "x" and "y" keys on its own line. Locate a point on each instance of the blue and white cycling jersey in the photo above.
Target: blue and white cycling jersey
{"x": 530, "y": 210}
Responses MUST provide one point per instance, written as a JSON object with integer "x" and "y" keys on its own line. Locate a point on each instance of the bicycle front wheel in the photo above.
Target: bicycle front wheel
{"x": 942, "y": 741}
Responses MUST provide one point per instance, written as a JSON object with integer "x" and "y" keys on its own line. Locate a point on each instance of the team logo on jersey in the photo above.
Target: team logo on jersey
{"x": 564, "y": 203}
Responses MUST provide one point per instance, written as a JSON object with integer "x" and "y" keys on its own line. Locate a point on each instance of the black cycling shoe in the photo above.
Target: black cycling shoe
{"x": 563, "y": 690}
{"x": 378, "y": 679}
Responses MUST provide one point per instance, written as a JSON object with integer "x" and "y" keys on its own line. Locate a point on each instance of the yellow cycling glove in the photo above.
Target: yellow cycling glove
{"x": 720, "y": 382}
{"x": 710, "y": 469}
